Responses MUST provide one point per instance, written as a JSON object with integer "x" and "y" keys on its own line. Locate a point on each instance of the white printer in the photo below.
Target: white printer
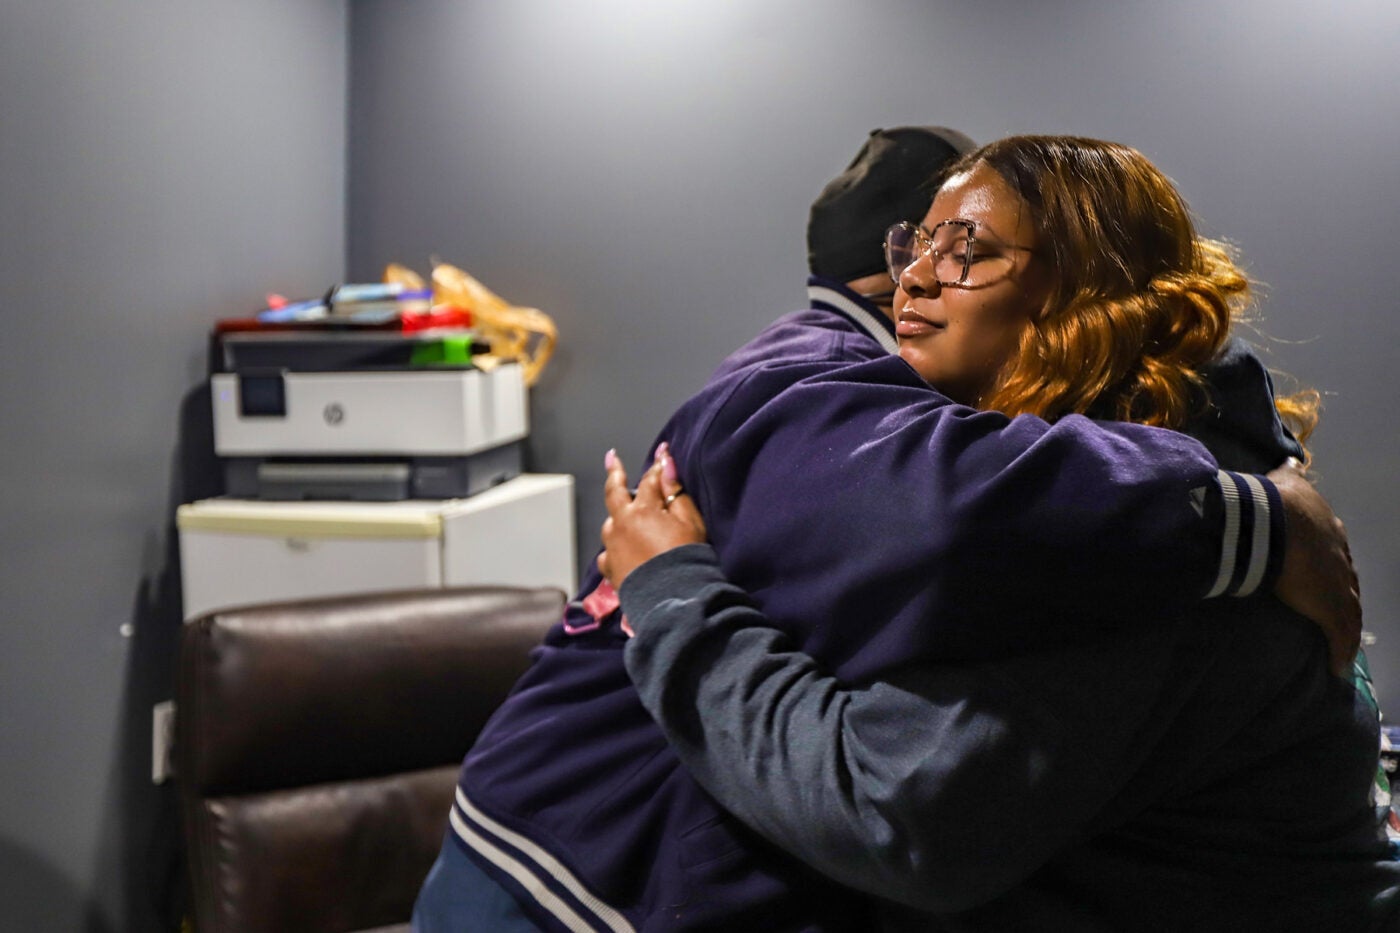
{"x": 358, "y": 415}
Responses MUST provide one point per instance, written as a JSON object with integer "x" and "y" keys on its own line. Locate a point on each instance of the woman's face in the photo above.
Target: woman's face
{"x": 960, "y": 336}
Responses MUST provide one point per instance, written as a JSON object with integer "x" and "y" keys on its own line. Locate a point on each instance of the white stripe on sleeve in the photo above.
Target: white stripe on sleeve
{"x": 1259, "y": 551}
{"x": 1230, "y": 537}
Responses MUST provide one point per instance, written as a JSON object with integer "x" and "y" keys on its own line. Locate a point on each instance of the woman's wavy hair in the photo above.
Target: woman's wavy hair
{"x": 1139, "y": 301}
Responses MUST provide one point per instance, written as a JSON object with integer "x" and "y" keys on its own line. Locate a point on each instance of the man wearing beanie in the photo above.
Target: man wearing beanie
{"x": 888, "y": 178}
{"x": 572, "y": 812}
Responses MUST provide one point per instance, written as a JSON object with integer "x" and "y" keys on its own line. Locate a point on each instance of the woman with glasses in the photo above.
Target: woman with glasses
{"x": 1207, "y": 773}
{"x": 839, "y": 485}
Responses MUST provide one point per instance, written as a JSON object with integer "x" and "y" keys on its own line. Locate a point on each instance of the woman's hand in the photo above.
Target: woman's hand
{"x": 660, "y": 517}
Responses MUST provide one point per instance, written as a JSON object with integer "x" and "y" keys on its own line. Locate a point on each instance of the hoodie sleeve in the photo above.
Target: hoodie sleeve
{"x": 939, "y": 787}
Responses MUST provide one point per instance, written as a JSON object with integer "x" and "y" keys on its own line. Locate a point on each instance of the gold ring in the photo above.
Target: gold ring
{"x": 666, "y": 503}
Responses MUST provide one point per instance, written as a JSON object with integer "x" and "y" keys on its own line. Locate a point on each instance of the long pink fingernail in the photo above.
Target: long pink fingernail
{"x": 610, "y": 459}
{"x": 668, "y": 469}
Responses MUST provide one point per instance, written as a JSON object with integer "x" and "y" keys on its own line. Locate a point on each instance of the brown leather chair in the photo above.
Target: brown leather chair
{"x": 317, "y": 745}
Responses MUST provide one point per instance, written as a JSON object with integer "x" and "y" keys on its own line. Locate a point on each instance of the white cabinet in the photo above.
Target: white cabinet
{"x": 237, "y": 551}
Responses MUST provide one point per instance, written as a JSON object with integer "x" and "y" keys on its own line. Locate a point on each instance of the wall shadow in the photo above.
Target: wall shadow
{"x": 37, "y": 896}
{"x": 140, "y": 835}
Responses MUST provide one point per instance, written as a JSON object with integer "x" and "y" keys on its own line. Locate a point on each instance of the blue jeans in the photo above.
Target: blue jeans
{"x": 458, "y": 897}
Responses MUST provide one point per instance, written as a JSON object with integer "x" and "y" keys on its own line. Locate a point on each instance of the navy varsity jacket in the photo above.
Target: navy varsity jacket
{"x": 838, "y": 486}
{"x": 1206, "y": 773}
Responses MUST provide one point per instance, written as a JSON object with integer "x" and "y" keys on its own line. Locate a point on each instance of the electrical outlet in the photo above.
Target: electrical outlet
{"x": 162, "y": 741}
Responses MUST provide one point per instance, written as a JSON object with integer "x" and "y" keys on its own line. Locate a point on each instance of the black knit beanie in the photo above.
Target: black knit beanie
{"x": 889, "y": 180}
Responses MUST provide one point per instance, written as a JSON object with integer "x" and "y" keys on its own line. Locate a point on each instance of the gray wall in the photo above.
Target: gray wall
{"x": 642, "y": 172}
{"x": 161, "y": 164}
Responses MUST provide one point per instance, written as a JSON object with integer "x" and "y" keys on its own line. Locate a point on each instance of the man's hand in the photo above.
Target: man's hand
{"x": 1318, "y": 579}
{"x": 659, "y": 518}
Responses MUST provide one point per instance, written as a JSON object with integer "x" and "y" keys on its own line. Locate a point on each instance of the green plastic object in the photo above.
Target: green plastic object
{"x": 443, "y": 351}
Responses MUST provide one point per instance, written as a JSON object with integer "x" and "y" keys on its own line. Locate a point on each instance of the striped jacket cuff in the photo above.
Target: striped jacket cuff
{"x": 1251, "y": 549}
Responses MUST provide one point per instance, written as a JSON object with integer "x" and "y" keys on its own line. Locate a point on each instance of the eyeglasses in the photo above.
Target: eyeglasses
{"x": 953, "y": 248}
